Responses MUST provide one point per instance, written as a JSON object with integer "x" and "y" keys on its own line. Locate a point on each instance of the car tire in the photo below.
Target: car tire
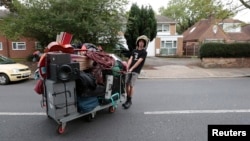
{"x": 4, "y": 79}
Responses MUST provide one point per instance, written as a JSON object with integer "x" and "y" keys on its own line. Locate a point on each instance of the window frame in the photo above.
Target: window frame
{"x": 38, "y": 46}
{"x": 18, "y": 44}
{"x": 232, "y": 27}
{"x": 209, "y": 40}
{"x": 172, "y": 42}
{"x": 1, "y": 46}
{"x": 163, "y": 28}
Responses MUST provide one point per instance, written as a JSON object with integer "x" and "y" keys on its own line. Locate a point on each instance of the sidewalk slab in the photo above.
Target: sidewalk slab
{"x": 181, "y": 71}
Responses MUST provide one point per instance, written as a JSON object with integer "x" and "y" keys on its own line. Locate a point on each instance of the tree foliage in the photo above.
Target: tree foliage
{"x": 89, "y": 21}
{"x": 141, "y": 21}
{"x": 188, "y": 12}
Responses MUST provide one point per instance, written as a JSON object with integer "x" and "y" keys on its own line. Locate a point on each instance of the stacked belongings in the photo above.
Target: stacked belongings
{"x": 93, "y": 82}
{"x": 99, "y": 78}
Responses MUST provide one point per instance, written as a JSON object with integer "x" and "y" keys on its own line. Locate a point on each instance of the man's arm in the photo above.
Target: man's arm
{"x": 129, "y": 62}
{"x": 136, "y": 64}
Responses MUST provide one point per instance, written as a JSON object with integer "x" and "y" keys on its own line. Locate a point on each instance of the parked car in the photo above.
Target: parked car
{"x": 11, "y": 71}
{"x": 121, "y": 50}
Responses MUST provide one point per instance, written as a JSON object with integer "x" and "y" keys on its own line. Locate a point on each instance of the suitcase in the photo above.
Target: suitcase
{"x": 61, "y": 99}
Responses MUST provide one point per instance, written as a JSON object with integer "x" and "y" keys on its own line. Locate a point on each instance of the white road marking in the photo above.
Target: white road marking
{"x": 22, "y": 114}
{"x": 146, "y": 113}
{"x": 197, "y": 112}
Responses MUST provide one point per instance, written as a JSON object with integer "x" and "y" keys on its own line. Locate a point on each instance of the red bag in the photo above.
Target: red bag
{"x": 39, "y": 87}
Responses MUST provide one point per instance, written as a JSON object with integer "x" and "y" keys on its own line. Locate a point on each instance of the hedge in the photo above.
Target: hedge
{"x": 218, "y": 50}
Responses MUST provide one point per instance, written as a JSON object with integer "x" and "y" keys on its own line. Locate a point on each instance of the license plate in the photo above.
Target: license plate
{"x": 26, "y": 74}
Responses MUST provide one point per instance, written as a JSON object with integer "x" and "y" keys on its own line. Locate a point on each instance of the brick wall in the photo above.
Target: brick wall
{"x": 172, "y": 29}
{"x": 4, "y": 42}
{"x": 157, "y": 46}
{"x": 9, "y": 52}
{"x": 225, "y": 62}
{"x": 179, "y": 50}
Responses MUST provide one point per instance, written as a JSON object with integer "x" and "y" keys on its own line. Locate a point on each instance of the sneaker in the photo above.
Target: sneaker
{"x": 127, "y": 104}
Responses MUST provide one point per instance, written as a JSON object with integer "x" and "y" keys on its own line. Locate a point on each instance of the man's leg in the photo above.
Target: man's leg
{"x": 127, "y": 86}
{"x": 128, "y": 98}
{"x": 130, "y": 90}
{"x": 128, "y": 102}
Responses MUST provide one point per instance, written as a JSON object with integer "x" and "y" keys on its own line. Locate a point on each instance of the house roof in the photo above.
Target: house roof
{"x": 239, "y": 36}
{"x": 196, "y": 31}
{"x": 164, "y": 19}
{"x": 246, "y": 29}
{"x": 203, "y": 29}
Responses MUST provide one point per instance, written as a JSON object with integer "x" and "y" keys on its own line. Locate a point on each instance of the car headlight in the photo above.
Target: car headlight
{"x": 15, "y": 70}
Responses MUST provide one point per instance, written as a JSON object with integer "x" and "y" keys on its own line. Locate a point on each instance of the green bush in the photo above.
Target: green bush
{"x": 217, "y": 50}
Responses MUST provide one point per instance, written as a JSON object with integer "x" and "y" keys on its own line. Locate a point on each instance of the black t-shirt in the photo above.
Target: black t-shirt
{"x": 136, "y": 55}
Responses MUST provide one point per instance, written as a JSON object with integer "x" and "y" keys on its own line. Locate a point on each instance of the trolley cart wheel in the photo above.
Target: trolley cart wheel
{"x": 61, "y": 128}
{"x": 112, "y": 109}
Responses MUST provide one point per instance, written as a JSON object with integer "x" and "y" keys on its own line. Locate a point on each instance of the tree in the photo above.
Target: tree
{"x": 89, "y": 21}
{"x": 188, "y": 12}
{"x": 140, "y": 22}
{"x": 246, "y": 3}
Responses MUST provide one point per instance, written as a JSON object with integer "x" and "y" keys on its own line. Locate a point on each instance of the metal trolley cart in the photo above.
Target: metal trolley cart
{"x": 61, "y": 91}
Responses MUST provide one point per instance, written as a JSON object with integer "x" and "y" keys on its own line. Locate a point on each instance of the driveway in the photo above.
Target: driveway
{"x": 152, "y": 62}
{"x": 163, "y": 67}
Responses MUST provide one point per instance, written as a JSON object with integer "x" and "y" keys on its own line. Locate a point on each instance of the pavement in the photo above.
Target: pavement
{"x": 179, "y": 68}
{"x": 162, "y": 67}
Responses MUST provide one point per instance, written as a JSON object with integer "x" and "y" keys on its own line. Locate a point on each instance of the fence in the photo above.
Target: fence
{"x": 191, "y": 50}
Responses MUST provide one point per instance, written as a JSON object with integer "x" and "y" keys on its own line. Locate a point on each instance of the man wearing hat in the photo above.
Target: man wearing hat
{"x": 135, "y": 64}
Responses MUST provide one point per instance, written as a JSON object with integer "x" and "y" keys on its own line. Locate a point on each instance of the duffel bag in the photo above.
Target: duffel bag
{"x": 86, "y": 104}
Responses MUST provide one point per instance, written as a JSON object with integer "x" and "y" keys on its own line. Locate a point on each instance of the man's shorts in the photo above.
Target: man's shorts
{"x": 131, "y": 78}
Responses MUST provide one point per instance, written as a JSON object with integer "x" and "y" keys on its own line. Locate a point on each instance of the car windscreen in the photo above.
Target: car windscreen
{"x": 5, "y": 60}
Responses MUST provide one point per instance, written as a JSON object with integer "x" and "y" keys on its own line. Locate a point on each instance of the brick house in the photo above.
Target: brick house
{"x": 167, "y": 41}
{"x": 21, "y": 48}
{"x": 214, "y": 30}
{"x": 17, "y": 49}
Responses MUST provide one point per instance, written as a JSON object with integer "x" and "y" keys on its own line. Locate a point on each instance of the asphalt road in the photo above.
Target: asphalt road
{"x": 162, "y": 110}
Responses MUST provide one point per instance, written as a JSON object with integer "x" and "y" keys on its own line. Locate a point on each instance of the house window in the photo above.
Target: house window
{"x": 1, "y": 46}
{"x": 232, "y": 27}
{"x": 18, "y": 46}
{"x": 168, "y": 44}
{"x": 168, "y": 47}
{"x": 38, "y": 45}
{"x": 162, "y": 28}
{"x": 214, "y": 41}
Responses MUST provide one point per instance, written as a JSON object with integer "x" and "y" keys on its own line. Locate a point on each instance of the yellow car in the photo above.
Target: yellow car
{"x": 11, "y": 71}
